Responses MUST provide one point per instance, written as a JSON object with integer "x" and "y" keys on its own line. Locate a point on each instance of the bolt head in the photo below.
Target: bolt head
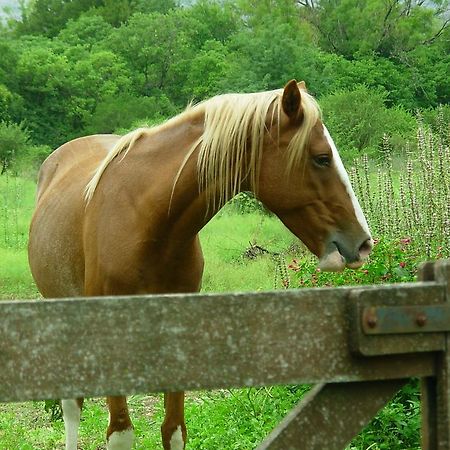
{"x": 421, "y": 319}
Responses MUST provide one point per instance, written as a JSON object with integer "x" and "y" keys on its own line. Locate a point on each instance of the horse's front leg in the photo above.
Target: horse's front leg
{"x": 120, "y": 434}
{"x": 71, "y": 409}
{"x": 173, "y": 429}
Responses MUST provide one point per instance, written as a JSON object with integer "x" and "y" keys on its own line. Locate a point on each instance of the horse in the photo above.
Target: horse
{"x": 121, "y": 215}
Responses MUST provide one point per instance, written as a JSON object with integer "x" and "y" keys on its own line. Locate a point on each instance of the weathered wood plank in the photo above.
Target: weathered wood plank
{"x": 330, "y": 415}
{"x": 98, "y": 346}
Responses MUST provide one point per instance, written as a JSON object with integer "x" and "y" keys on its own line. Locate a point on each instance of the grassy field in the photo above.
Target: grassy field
{"x": 17, "y": 200}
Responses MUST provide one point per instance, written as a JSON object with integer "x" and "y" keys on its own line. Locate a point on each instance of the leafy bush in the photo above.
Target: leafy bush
{"x": 359, "y": 119}
{"x": 397, "y": 426}
{"x": 14, "y": 141}
{"x": 32, "y": 158}
{"x": 120, "y": 111}
{"x": 391, "y": 261}
{"x": 245, "y": 203}
{"x": 438, "y": 119}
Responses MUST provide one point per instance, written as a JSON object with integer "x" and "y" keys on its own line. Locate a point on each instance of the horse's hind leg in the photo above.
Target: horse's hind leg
{"x": 71, "y": 414}
{"x": 173, "y": 429}
{"x": 120, "y": 434}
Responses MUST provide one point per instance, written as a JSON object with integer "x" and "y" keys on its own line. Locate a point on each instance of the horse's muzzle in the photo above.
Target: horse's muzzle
{"x": 337, "y": 257}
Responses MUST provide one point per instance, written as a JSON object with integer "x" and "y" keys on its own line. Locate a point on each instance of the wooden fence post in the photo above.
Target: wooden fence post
{"x": 436, "y": 390}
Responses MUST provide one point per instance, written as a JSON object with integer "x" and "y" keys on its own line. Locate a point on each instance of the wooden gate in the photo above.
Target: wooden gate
{"x": 359, "y": 345}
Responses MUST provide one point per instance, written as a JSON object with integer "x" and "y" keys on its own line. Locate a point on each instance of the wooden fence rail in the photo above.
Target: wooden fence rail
{"x": 358, "y": 344}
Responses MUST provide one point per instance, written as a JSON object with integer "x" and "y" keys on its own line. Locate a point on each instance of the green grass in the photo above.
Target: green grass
{"x": 16, "y": 207}
{"x": 225, "y": 419}
{"x": 225, "y": 241}
{"x": 16, "y": 281}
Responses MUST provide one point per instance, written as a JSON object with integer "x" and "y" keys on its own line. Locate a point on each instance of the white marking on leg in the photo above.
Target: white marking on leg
{"x": 346, "y": 181}
{"x": 71, "y": 415}
{"x": 176, "y": 441}
{"x": 121, "y": 440}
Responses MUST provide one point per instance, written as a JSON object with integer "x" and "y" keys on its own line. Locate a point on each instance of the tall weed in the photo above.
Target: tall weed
{"x": 411, "y": 199}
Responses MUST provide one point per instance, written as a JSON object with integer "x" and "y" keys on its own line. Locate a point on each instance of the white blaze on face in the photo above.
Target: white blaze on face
{"x": 176, "y": 441}
{"x": 71, "y": 415}
{"x": 346, "y": 181}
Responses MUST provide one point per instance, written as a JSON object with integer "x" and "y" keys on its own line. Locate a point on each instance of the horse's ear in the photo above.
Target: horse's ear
{"x": 292, "y": 101}
{"x": 302, "y": 85}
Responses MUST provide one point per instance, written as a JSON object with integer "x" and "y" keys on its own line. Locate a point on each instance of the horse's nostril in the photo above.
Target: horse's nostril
{"x": 365, "y": 248}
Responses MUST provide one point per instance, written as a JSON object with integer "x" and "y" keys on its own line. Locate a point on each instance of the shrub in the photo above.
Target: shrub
{"x": 32, "y": 158}
{"x": 359, "y": 119}
{"x": 121, "y": 111}
{"x": 14, "y": 141}
{"x": 246, "y": 203}
{"x": 438, "y": 119}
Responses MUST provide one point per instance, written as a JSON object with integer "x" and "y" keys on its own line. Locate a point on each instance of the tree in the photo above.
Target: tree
{"x": 272, "y": 47}
{"x": 212, "y": 21}
{"x": 386, "y": 28}
{"x": 123, "y": 110}
{"x": 152, "y": 44}
{"x": 46, "y": 83}
{"x": 334, "y": 73}
{"x": 48, "y": 17}
{"x": 210, "y": 65}
{"x": 99, "y": 75}
{"x": 148, "y": 6}
{"x": 5, "y": 103}
{"x": 115, "y": 12}
{"x": 7, "y": 61}
{"x": 87, "y": 31}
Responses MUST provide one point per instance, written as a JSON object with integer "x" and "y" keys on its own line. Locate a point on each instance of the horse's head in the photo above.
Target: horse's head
{"x": 312, "y": 195}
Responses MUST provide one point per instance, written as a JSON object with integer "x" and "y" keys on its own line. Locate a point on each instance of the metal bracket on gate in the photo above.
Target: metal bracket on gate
{"x": 405, "y": 319}
{"x": 389, "y": 320}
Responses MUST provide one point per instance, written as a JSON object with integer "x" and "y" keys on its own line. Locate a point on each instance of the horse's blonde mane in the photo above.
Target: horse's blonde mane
{"x": 230, "y": 148}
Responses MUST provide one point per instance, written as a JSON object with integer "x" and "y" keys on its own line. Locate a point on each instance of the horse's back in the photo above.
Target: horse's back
{"x": 56, "y": 240}
{"x": 78, "y": 157}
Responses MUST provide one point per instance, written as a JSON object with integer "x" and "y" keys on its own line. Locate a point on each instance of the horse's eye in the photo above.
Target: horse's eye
{"x": 322, "y": 160}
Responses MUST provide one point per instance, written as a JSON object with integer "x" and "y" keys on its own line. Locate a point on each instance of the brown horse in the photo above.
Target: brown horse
{"x": 121, "y": 215}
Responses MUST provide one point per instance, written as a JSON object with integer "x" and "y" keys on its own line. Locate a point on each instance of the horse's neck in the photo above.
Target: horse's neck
{"x": 179, "y": 208}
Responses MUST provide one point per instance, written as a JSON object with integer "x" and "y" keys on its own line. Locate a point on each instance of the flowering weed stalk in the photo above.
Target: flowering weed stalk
{"x": 412, "y": 201}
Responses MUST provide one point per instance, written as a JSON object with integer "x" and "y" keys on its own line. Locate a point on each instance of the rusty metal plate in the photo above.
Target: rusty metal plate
{"x": 405, "y": 319}
{"x": 370, "y": 311}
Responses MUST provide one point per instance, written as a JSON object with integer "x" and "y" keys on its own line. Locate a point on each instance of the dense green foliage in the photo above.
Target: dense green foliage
{"x": 93, "y": 66}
